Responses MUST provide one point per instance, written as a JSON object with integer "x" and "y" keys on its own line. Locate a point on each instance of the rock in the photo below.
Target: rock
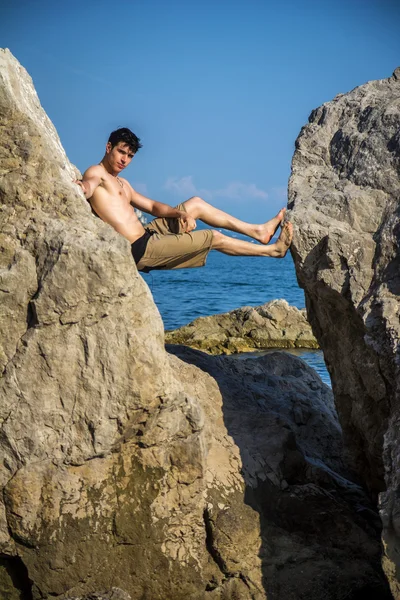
{"x": 114, "y": 594}
{"x": 344, "y": 196}
{"x": 126, "y": 467}
{"x": 300, "y": 495}
{"x": 272, "y": 325}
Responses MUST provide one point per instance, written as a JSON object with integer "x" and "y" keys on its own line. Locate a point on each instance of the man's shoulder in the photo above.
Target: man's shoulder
{"x": 94, "y": 170}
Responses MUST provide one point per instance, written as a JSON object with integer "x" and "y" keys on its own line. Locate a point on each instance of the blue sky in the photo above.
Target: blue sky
{"x": 216, "y": 90}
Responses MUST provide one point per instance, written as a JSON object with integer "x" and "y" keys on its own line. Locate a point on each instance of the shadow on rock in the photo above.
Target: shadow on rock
{"x": 319, "y": 535}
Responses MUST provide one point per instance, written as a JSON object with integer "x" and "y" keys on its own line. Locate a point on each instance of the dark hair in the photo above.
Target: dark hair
{"x": 127, "y": 136}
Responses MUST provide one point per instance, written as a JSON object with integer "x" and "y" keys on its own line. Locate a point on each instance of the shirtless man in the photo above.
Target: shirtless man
{"x": 169, "y": 241}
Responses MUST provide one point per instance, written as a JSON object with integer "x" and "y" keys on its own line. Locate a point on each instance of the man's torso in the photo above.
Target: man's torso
{"x": 111, "y": 202}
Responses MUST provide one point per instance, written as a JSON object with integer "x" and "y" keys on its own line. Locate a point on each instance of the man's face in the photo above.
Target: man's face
{"x": 119, "y": 156}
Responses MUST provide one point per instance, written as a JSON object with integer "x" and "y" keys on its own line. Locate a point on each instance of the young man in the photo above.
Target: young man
{"x": 169, "y": 241}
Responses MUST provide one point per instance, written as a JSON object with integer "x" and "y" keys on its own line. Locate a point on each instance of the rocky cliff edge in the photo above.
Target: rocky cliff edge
{"x": 344, "y": 197}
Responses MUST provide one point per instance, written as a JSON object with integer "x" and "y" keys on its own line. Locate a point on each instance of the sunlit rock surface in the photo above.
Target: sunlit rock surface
{"x": 275, "y": 324}
{"x": 130, "y": 472}
{"x": 344, "y": 197}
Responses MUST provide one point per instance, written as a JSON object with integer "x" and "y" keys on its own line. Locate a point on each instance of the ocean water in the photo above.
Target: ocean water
{"x": 226, "y": 283}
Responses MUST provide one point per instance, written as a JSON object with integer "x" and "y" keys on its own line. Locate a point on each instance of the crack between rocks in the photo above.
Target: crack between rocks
{"x": 217, "y": 558}
{"x": 19, "y": 575}
{"x": 244, "y": 579}
{"x": 211, "y": 548}
{"x": 24, "y": 581}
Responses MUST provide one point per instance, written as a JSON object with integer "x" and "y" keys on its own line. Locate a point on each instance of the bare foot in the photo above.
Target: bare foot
{"x": 266, "y": 231}
{"x": 284, "y": 240}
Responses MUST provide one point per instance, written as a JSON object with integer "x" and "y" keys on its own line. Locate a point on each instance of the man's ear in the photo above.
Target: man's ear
{"x": 108, "y": 147}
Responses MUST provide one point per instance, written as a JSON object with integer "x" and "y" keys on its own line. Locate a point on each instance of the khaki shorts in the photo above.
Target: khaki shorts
{"x": 169, "y": 247}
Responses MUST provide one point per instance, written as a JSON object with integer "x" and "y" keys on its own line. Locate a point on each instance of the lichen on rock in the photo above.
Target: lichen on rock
{"x": 275, "y": 324}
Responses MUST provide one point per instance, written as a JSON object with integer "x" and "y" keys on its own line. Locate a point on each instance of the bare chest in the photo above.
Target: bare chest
{"x": 115, "y": 190}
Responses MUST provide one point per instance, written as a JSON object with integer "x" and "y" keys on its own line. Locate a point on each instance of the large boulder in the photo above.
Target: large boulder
{"x": 275, "y": 324}
{"x": 344, "y": 200}
{"x": 126, "y": 467}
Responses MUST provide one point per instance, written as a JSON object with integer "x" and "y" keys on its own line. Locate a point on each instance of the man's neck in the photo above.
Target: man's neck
{"x": 104, "y": 163}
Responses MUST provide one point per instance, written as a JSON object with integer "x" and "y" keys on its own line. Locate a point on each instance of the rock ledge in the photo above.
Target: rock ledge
{"x": 272, "y": 325}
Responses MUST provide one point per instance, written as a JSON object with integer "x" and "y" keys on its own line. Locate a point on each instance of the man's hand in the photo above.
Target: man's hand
{"x": 187, "y": 222}
{"x": 83, "y": 186}
{"x": 92, "y": 178}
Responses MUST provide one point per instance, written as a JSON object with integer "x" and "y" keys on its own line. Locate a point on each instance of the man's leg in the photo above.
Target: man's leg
{"x": 200, "y": 209}
{"x": 234, "y": 247}
{"x": 191, "y": 249}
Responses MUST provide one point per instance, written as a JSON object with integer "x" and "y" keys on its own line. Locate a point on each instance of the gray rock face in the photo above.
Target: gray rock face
{"x": 344, "y": 199}
{"x": 272, "y": 325}
{"x": 126, "y": 467}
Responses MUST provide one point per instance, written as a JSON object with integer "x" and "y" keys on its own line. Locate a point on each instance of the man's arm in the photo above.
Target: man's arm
{"x": 90, "y": 181}
{"x": 159, "y": 209}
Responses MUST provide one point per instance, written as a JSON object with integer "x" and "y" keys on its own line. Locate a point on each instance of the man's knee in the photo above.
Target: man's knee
{"x": 194, "y": 206}
{"x": 195, "y": 201}
{"x": 217, "y": 238}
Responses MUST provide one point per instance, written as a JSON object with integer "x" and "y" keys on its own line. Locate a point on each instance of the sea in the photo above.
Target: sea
{"x": 226, "y": 283}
